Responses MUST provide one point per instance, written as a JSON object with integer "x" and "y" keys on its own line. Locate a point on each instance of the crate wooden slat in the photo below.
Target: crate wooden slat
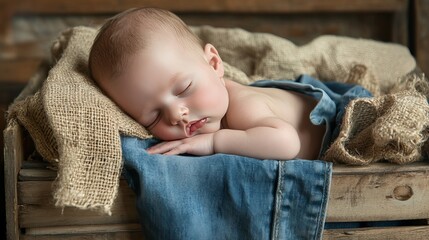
{"x": 390, "y": 233}
{"x": 36, "y": 174}
{"x": 103, "y": 6}
{"x": 18, "y": 70}
{"x": 131, "y": 235}
{"x": 40, "y": 192}
{"x": 421, "y": 18}
{"x": 379, "y": 192}
{"x": 87, "y": 229}
{"x": 37, "y": 208}
{"x": 35, "y": 193}
{"x": 13, "y": 156}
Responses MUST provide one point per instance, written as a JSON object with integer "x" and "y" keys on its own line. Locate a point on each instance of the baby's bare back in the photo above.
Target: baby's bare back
{"x": 295, "y": 108}
{"x": 291, "y": 107}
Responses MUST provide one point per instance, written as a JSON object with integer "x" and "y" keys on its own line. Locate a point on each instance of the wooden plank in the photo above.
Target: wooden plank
{"x": 39, "y": 211}
{"x": 6, "y": 14}
{"x": 422, "y": 34}
{"x": 379, "y": 192}
{"x": 382, "y": 233}
{"x": 37, "y": 174}
{"x": 35, "y": 192}
{"x": 40, "y": 192}
{"x": 24, "y": 50}
{"x": 132, "y": 235}
{"x": 302, "y": 28}
{"x": 399, "y": 27}
{"x": 18, "y": 70}
{"x": 35, "y": 165}
{"x": 108, "y": 228}
{"x": 380, "y": 168}
{"x": 13, "y": 156}
{"x": 257, "y": 6}
{"x": 369, "y": 193}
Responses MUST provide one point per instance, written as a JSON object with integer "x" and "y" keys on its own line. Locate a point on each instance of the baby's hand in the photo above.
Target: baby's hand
{"x": 201, "y": 144}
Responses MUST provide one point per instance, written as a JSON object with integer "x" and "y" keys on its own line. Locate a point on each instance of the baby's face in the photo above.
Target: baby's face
{"x": 171, "y": 92}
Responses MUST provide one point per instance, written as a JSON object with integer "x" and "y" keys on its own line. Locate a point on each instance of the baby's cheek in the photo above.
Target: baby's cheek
{"x": 166, "y": 133}
{"x": 207, "y": 99}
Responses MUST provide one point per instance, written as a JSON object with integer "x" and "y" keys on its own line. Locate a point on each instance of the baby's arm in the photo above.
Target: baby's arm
{"x": 254, "y": 133}
{"x": 272, "y": 138}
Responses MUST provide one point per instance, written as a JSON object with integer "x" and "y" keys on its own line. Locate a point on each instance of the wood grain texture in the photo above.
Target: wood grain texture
{"x": 422, "y": 34}
{"x": 6, "y": 15}
{"x": 106, "y": 6}
{"x": 107, "y": 228}
{"x": 18, "y": 70}
{"x": 391, "y": 233}
{"x": 379, "y": 192}
{"x": 13, "y": 156}
{"x": 37, "y": 209}
{"x": 125, "y": 232}
{"x": 134, "y": 235}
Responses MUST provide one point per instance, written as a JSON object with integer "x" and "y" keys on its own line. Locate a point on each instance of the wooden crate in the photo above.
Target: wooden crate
{"x": 375, "y": 193}
{"x": 380, "y": 192}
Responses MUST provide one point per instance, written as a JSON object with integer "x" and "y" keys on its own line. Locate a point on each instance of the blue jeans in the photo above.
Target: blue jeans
{"x": 225, "y": 196}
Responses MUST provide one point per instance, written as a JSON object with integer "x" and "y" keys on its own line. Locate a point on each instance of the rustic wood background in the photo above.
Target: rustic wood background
{"x": 27, "y": 28}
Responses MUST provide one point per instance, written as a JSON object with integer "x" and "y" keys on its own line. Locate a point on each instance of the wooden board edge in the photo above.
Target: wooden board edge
{"x": 13, "y": 157}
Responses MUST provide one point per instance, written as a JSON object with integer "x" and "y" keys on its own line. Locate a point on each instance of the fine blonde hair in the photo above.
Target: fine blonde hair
{"x": 130, "y": 31}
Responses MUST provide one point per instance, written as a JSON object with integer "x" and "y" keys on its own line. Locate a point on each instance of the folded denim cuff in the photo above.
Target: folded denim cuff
{"x": 301, "y": 214}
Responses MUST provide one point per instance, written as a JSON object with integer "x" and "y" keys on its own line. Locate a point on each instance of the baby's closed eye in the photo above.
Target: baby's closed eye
{"x": 184, "y": 89}
{"x": 156, "y": 116}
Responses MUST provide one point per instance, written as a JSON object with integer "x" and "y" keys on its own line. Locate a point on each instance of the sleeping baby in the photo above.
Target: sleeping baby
{"x": 157, "y": 71}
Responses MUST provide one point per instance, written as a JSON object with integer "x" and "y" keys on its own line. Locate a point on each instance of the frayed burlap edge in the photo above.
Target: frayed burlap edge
{"x": 393, "y": 127}
{"x": 89, "y": 164}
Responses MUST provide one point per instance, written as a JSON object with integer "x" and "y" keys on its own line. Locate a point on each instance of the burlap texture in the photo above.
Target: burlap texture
{"x": 374, "y": 65}
{"x": 74, "y": 124}
{"x": 392, "y": 127}
{"x": 77, "y": 127}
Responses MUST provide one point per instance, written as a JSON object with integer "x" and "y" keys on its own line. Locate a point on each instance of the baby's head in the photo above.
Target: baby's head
{"x": 157, "y": 71}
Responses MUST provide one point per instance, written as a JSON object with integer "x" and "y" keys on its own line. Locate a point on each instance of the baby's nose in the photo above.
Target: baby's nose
{"x": 179, "y": 114}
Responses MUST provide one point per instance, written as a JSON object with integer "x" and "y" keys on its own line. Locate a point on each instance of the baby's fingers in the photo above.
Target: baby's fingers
{"x": 175, "y": 151}
{"x": 163, "y": 147}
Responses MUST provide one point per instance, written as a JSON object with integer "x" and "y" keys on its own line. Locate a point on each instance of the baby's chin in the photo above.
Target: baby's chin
{"x": 210, "y": 128}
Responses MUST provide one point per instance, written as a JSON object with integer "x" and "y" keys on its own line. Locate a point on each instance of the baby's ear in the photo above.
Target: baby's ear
{"x": 213, "y": 58}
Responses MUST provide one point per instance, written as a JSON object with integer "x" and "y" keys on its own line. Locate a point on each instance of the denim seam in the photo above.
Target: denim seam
{"x": 277, "y": 203}
{"x": 324, "y": 203}
{"x": 316, "y": 235}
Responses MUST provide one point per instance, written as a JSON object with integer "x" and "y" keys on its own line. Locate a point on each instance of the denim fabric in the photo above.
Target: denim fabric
{"x": 332, "y": 97}
{"x": 233, "y": 197}
{"x": 226, "y": 196}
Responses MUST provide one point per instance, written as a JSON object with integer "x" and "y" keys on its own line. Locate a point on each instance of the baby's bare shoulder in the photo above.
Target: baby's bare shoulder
{"x": 246, "y": 108}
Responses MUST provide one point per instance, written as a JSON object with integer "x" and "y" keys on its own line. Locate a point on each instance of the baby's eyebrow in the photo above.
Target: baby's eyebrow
{"x": 175, "y": 78}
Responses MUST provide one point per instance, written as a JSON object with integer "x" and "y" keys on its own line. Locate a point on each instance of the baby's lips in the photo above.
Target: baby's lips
{"x": 197, "y": 125}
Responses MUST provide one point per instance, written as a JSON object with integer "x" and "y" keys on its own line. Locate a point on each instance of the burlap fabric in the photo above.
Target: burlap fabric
{"x": 392, "y": 127}
{"x": 75, "y": 126}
